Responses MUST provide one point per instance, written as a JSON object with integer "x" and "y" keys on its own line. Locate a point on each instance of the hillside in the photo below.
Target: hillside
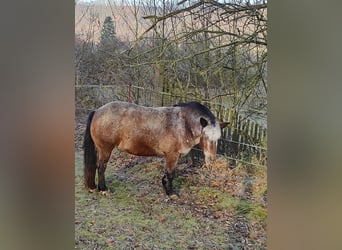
{"x": 130, "y": 23}
{"x": 89, "y": 20}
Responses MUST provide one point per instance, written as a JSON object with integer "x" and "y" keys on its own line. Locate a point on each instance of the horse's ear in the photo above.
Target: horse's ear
{"x": 203, "y": 122}
{"x": 223, "y": 124}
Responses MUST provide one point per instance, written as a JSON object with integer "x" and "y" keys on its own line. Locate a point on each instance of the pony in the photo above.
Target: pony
{"x": 168, "y": 132}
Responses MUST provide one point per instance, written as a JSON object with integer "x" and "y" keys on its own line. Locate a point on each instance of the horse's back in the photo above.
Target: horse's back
{"x": 136, "y": 129}
{"x": 107, "y": 122}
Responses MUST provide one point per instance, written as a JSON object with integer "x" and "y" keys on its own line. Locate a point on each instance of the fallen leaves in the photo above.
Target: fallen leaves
{"x": 206, "y": 206}
{"x": 162, "y": 218}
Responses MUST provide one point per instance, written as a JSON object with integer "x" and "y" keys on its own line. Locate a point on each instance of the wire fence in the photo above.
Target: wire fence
{"x": 244, "y": 140}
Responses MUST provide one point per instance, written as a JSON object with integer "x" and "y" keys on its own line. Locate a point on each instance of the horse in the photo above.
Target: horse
{"x": 168, "y": 132}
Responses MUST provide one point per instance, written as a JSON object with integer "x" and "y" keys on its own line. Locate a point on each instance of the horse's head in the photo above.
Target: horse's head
{"x": 210, "y": 134}
{"x": 204, "y": 126}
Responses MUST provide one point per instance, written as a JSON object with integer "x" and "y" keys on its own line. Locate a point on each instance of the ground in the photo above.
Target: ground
{"x": 217, "y": 208}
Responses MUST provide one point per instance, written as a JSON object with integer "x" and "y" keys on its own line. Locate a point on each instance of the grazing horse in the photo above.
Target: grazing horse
{"x": 146, "y": 131}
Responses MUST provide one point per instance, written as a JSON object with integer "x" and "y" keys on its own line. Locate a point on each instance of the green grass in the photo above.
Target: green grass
{"x": 138, "y": 215}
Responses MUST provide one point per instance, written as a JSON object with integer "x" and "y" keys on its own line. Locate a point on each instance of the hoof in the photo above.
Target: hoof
{"x": 174, "y": 197}
{"x": 102, "y": 188}
{"x": 168, "y": 192}
{"x": 92, "y": 190}
{"x": 171, "y": 193}
{"x": 105, "y": 193}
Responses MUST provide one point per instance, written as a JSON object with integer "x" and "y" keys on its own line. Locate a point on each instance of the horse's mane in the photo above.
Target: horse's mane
{"x": 198, "y": 107}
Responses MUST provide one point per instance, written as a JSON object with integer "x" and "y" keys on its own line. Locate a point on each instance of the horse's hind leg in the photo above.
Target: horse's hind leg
{"x": 103, "y": 158}
{"x": 101, "y": 174}
{"x": 171, "y": 162}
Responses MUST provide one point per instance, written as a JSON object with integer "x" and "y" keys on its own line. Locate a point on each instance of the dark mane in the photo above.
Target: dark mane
{"x": 198, "y": 107}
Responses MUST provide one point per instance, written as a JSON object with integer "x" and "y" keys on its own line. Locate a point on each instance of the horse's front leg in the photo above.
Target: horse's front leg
{"x": 171, "y": 162}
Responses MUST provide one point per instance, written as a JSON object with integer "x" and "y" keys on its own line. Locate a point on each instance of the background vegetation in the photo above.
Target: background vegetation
{"x": 159, "y": 53}
{"x": 205, "y": 50}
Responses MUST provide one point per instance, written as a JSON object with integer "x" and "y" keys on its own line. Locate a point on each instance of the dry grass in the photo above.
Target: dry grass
{"x": 211, "y": 213}
{"x": 218, "y": 207}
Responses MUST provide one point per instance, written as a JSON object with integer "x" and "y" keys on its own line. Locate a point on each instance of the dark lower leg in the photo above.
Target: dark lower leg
{"x": 167, "y": 182}
{"x": 101, "y": 174}
{"x": 171, "y": 161}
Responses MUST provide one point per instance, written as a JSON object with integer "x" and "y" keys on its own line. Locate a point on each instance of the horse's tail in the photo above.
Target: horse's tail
{"x": 89, "y": 155}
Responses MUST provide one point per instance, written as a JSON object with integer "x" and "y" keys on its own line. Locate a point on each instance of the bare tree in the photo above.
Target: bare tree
{"x": 206, "y": 50}
{"x": 224, "y": 50}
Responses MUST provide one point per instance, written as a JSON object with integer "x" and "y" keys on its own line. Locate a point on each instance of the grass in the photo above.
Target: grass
{"x": 138, "y": 215}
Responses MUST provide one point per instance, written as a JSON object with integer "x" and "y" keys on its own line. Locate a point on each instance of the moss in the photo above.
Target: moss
{"x": 227, "y": 202}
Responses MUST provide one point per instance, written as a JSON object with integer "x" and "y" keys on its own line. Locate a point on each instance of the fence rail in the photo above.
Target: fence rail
{"x": 243, "y": 140}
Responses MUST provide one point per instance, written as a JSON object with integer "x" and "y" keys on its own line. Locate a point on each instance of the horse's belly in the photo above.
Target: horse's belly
{"x": 139, "y": 148}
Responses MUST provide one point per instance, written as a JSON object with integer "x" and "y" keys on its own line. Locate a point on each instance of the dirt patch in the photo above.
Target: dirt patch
{"x": 218, "y": 207}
